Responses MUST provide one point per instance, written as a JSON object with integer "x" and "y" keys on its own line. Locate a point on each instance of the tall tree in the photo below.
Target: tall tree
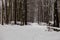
{"x": 6, "y": 12}
{"x": 38, "y": 12}
{"x": 38, "y": 15}
{"x": 2, "y": 11}
{"x": 25, "y": 8}
{"x": 56, "y": 19}
{"x": 15, "y": 6}
{"x": 10, "y": 10}
{"x": 21, "y": 9}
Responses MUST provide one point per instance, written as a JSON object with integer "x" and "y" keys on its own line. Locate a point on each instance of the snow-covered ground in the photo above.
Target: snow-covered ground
{"x": 27, "y": 32}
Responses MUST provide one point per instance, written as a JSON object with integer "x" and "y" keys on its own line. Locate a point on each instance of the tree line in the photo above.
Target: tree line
{"x": 16, "y": 10}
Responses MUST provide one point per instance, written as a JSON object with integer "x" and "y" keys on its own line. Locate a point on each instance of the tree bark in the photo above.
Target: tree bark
{"x": 15, "y": 12}
{"x": 56, "y": 19}
{"x": 2, "y": 11}
{"x": 25, "y": 8}
{"x": 6, "y": 12}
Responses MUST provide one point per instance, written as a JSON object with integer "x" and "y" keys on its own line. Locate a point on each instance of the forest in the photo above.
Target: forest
{"x": 29, "y": 19}
{"x": 25, "y": 11}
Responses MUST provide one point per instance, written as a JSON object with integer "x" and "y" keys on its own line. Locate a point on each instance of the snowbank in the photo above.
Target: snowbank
{"x": 27, "y": 32}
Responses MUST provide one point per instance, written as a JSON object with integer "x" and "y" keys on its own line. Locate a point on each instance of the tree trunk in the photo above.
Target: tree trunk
{"x": 6, "y": 12}
{"x": 15, "y": 12}
{"x": 56, "y": 19}
{"x": 38, "y": 14}
{"x": 10, "y": 11}
{"x": 25, "y": 8}
{"x": 2, "y": 11}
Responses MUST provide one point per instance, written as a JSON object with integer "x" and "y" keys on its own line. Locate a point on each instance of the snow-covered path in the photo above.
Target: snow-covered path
{"x": 29, "y": 32}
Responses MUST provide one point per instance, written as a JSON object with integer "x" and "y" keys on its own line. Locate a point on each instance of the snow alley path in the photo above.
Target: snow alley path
{"x": 33, "y": 32}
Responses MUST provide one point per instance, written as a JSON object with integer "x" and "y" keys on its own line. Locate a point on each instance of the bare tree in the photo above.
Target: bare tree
{"x": 56, "y": 19}
{"x": 15, "y": 6}
{"x": 6, "y": 12}
{"x": 10, "y": 10}
{"x": 25, "y": 8}
{"x": 2, "y": 11}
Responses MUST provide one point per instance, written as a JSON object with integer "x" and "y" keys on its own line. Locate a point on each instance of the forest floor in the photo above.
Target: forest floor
{"x": 27, "y": 32}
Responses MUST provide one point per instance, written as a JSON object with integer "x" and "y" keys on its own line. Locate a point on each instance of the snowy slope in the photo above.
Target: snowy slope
{"x": 29, "y": 32}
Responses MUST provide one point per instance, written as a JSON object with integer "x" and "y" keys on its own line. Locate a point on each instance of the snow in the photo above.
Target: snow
{"x": 42, "y": 23}
{"x": 27, "y": 32}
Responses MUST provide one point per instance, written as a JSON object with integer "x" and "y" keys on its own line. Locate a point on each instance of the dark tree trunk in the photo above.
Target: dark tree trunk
{"x": 10, "y": 11}
{"x": 56, "y": 19}
{"x": 15, "y": 6}
{"x": 2, "y": 11}
{"x": 38, "y": 15}
{"x": 6, "y": 12}
{"x": 25, "y": 8}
